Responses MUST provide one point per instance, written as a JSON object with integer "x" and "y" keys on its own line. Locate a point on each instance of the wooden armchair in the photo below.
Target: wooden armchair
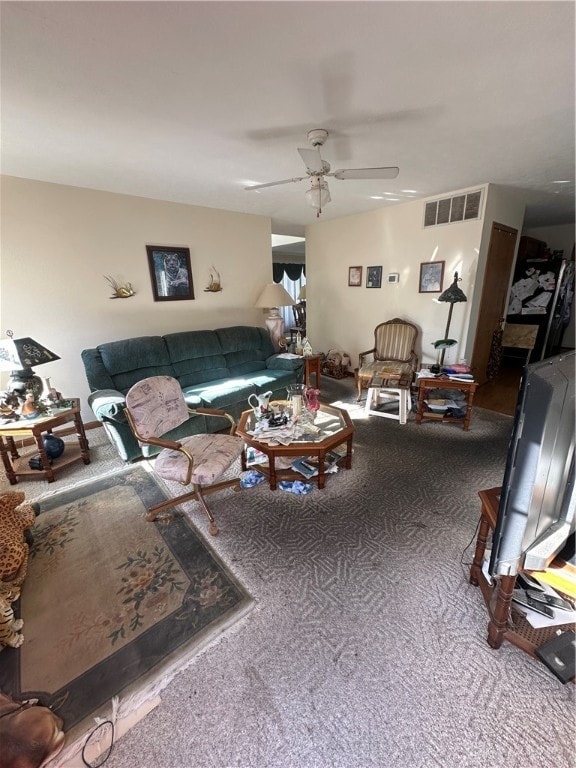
{"x": 393, "y": 357}
{"x": 299, "y": 311}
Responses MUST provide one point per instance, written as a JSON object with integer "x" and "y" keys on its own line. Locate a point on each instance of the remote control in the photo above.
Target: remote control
{"x": 552, "y": 600}
{"x": 523, "y": 599}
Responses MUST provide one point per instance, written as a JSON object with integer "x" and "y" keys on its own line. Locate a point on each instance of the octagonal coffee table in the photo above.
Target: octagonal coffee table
{"x": 335, "y": 428}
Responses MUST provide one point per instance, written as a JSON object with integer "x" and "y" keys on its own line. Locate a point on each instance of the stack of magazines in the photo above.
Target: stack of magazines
{"x": 308, "y": 466}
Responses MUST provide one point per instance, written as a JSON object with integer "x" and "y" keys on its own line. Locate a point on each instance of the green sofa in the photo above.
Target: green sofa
{"x": 216, "y": 369}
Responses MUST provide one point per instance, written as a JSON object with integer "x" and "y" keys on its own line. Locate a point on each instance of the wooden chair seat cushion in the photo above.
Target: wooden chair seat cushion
{"x": 213, "y": 455}
{"x": 392, "y": 374}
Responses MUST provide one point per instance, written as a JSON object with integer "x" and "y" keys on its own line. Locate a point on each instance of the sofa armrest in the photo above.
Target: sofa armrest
{"x": 108, "y": 405}
{"x": 277, "y": 362}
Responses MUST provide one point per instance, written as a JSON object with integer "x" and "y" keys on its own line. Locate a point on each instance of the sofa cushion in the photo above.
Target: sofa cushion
{"x": 131, "y": 360}
{"x": 222, "y": 393}
{"x": 245, "y": 348}
{"x": 196, "y": 357}
{"x": 270, "y": 379}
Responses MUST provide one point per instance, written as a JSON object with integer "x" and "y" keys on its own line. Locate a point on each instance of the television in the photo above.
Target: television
{"x": 536, "y": 515}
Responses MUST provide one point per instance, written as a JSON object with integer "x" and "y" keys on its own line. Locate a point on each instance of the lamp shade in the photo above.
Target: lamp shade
{"x": 274, "y": 295}
{"x": 23, "y": 353}
{"x": 18, "y": 356}
{"x": 302, "y": 294}
{"x": 453, "y": 294}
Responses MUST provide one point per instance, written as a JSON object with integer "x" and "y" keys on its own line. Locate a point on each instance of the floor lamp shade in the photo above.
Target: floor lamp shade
{"x": 272, "y": 297}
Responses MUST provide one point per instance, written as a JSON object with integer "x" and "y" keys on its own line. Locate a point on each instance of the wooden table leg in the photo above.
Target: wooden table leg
{"x": 321, "y": 472}
{"x": 12, "y": 479}
{"x": 499, "y": 622}
{"x": 421, "y": 393}
{"x": 82, "y": 439}
{"x": 348, "y": 462}
{"x": 476, "y": 567}
{"x": 47, "y": 470}
{"x": 272, "y": 470}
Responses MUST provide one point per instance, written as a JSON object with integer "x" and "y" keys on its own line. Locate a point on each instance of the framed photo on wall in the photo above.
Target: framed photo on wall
{"x": 355, "y": 276}
{"x": 373, "y": 277}
{"x": 431, "y": 276}
{"x": 170, "y": 273}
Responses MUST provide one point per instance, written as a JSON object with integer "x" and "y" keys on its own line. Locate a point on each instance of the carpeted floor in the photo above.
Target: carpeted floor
{"x": 367, "y": 645}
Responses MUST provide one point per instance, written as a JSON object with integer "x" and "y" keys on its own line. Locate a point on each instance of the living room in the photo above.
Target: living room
{"x": 108, "y": 118}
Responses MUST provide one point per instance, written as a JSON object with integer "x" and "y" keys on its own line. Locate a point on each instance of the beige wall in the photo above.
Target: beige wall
{"x": 58, "y": 242}
{"x": 344, "y": 318}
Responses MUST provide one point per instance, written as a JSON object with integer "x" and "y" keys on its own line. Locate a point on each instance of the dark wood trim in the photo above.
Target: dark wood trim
{"x": 60, "y": 433}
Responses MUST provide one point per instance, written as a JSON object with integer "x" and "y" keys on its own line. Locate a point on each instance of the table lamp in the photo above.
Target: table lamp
{"x": 272, "y": 297}
{"x": 19, "y": 355}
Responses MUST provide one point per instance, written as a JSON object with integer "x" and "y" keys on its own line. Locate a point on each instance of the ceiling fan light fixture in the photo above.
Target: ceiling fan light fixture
{"x": 318, "y": 195}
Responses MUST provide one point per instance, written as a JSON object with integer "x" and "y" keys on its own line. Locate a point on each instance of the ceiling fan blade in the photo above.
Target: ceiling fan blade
{"x": 366, "y": 173}
{"x": 312, "y": 159}
{"x": 275, "y": 183}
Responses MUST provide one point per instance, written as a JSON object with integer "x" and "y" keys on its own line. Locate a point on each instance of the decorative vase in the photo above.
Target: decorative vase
{"x": 54, "y": 446}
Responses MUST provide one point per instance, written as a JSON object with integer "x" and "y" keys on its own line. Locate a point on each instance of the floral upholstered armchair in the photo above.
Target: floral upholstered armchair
{"x": 393, "y": 356}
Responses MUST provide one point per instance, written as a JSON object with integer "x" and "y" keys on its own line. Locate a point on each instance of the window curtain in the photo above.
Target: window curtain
{"x": 293, "y": 285}
{"x": 293, "y": 271}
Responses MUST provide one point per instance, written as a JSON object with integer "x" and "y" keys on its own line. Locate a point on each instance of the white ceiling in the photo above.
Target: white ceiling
{"x": 191, "y": 101}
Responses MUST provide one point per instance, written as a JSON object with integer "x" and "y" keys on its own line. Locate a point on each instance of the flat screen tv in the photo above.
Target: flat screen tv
{"x": 537, "y": 503}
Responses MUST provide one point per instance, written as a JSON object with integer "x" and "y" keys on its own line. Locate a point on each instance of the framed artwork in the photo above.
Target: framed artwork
{"x": 373, "y": 277}
{"x": 431, "y": 276}
{"x": 170, "y": 273}
{"x": 355, "y": 276}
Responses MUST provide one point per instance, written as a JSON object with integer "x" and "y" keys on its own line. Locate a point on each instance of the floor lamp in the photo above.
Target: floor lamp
{"x": 452, "y": 295}
{"x": 272, "y": 297}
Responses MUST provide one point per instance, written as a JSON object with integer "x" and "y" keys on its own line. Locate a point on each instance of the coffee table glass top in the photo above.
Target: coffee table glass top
{"x": 329, "y": 422}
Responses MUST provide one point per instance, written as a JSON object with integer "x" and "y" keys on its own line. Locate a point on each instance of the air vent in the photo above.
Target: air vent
{"x": 451, "y": 209}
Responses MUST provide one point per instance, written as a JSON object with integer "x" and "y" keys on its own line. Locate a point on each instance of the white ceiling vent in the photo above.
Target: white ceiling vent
{"x": 450, "y": 209}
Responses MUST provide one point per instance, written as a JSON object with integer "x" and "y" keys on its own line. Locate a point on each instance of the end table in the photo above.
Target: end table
{"x": 16, "y": 464}
{"x": 427, "y": 383}
{"x": 312, "y": 366}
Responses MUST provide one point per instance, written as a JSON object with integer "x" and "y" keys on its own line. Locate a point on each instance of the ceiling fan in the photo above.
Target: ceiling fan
{"x": 317, "y": 169}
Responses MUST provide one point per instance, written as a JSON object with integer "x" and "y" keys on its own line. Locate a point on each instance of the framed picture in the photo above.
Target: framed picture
{"x": 431, "y": 276}
{"x": 373, "y": 277}
{"x": 355, "y": 276}
{"x": 170, "y": 273}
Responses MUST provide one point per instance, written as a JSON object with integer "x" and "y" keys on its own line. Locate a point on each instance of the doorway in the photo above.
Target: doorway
{"x": 492, "y": 309}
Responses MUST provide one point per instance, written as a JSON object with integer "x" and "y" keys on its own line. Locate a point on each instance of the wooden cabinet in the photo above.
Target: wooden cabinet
{"x": 531, "y": 248}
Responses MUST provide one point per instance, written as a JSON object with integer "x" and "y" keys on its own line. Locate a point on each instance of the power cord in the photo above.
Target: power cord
{"x": 101, "y": 758}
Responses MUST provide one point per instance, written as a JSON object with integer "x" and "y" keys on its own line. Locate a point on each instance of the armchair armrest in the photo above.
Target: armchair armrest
{"x": 363, "y": 355}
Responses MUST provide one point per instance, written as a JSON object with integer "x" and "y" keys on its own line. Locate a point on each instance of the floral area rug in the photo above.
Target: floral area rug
{"x": 111, "y": 600}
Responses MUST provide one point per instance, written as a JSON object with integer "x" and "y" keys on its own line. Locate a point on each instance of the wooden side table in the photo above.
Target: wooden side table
{"x": 16, "y": 464}
{"x": 505, "y": 621}
{"x": 312, "y": 366}
{"x": 427, "y": 383}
